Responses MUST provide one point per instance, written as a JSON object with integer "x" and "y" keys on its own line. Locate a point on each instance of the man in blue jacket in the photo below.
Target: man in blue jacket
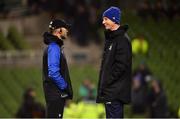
{"x": 56, "y": 80}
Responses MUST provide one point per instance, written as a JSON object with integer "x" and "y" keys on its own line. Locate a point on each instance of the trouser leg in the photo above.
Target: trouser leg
{"x": 55, "y": 108}
{"x": 114, "y": 110}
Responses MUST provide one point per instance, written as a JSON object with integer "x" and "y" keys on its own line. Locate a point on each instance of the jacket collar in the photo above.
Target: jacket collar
{"x": 49, "y": 38}
{"x": 120, "y": 31}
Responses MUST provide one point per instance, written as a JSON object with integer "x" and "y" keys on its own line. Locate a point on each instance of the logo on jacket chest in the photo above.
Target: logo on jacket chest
{"x": 110, "y": 47}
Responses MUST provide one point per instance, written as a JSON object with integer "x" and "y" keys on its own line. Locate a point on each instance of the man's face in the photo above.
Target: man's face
{"x": 108, "y": 24}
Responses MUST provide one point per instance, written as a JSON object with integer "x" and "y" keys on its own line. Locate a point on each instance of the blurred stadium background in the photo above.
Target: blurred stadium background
{"x": 22, "y": 23}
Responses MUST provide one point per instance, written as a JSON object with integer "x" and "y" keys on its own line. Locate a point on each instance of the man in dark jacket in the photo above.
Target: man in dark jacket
{"x": 115, "y": 75}
{"x": 56, "y": 80}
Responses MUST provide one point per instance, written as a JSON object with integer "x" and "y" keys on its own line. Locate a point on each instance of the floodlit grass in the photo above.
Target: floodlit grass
{"x": 14, "y": 81}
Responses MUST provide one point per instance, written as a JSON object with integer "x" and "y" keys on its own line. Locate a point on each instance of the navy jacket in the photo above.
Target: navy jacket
{"x": 115, "y": 73}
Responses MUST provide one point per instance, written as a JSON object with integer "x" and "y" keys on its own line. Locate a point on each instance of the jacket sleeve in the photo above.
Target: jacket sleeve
{"x": 121, "y": 59}
{"x": 54, "y": 66}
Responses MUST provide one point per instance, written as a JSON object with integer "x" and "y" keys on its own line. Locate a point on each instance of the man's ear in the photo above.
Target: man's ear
{"x": 60, "y": 30}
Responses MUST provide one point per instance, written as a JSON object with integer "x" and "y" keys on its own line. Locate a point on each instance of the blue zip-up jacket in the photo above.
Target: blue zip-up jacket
{"x": 54, "y": 65}
{"x": 56, "y": 79}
